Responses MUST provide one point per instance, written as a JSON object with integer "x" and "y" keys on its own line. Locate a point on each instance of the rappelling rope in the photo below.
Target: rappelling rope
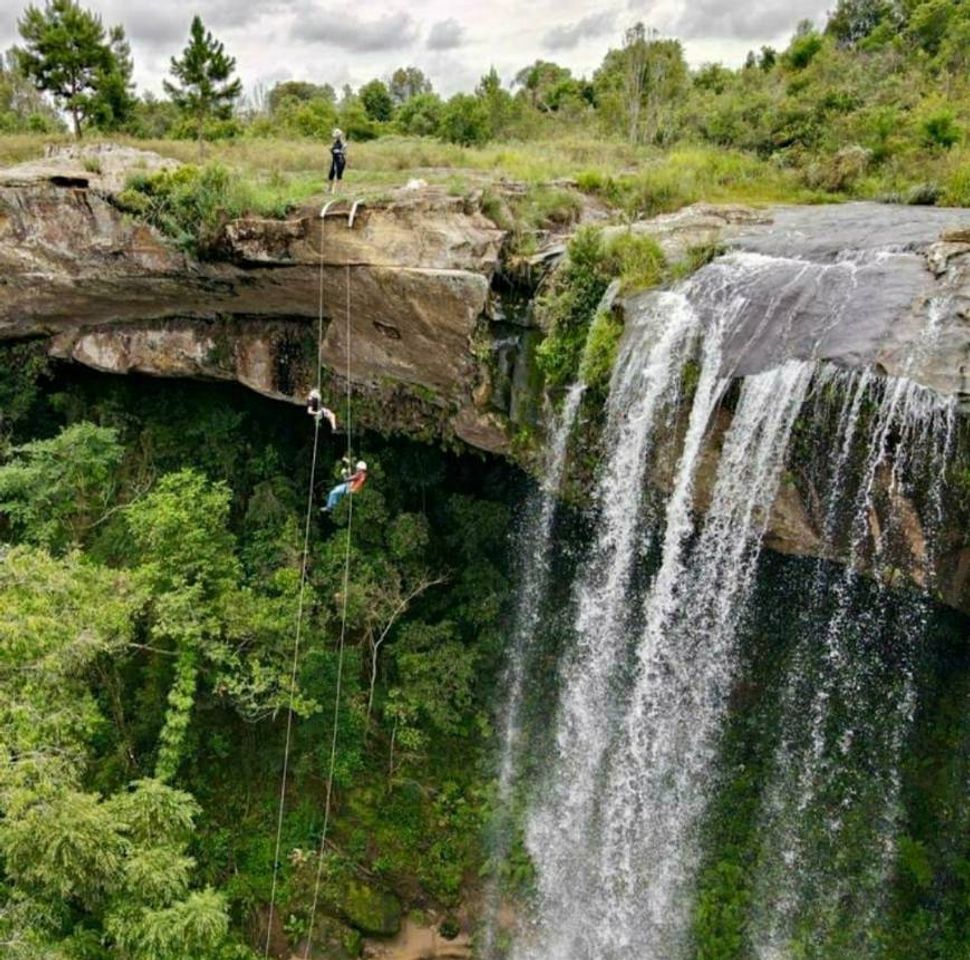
{"x": 299, "y": 626}
{"x": 340, "y": 655}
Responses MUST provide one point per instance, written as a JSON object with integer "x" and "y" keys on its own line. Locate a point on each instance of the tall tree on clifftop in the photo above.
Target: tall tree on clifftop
{"x": 204, "y": 89}
{"x": 65, "y": 54}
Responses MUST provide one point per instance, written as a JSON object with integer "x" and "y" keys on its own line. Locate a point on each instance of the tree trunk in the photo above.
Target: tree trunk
{"x": 200, "y": 124}
{"x": 374, "y": 647}
{"x": 390, "y": 759}
{"x": 77, "y": 123}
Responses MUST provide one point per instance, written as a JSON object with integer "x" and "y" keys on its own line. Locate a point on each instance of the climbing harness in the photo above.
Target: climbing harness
{"x": 300, "y": 607}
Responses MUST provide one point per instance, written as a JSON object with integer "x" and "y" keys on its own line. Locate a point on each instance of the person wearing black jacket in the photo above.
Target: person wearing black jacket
{"x": 338, "y": 159}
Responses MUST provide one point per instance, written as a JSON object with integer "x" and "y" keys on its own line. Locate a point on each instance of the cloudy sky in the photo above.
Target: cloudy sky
{"x": 454, "y": 42}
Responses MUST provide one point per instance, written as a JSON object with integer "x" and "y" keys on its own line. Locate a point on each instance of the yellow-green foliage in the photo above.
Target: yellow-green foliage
{"x": 567, "y": 307}
{"x": 578, "y": 339}
{"x": 599, "y": 354}
{"x": 670, "y": 180}
{"x": 636, "y": 260}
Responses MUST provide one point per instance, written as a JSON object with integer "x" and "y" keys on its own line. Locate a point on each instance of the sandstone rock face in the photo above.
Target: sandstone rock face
{"x": 409, "y": 311}
{"x": 856, "y": 285}
{"x": 406, "y": 289}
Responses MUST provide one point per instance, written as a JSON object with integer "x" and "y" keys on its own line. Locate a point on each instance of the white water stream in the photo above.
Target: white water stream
{"x": 615, "y": 824}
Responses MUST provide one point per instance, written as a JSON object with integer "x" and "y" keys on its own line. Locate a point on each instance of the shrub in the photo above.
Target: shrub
{"x": 803, "y": 51}
{"x": 192, "y": 204}
{"x": 464, "y": 120}
{"x": 420, "y": 116}
{"x": 567, "y": 308}
{"x": 637, "y": 260}
{"x": 957, "y": 191}
{"x": 923, "y": 195}
{"x": 599, "y": 353}
{"x": 840, "y": 171}
{"x": 940, "y": 129}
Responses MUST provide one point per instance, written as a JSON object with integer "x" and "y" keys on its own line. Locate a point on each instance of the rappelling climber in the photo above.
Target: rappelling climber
{"x": 316, "y": 409}
{"x": 353, "y": 482}
{"x": 338, "y": 158}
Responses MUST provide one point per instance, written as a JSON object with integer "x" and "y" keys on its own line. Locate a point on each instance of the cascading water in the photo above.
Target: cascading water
{"x": 615, "y": 827}
{"x": 540, "y": 513}
{"x": 850, "y": 699}
{"x": 651, "y": 390}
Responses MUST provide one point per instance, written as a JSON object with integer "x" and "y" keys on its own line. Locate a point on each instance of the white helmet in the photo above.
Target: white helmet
{"x": 361, "y": 465}
{"x": 337, "y": 134}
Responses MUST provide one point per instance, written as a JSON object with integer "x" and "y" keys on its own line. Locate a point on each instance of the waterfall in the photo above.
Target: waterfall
{"x": 536, "y": 540}
{"x": 850, "y": 699}
{"x": 695, "y": 458}
{"x": 645, "y": 395}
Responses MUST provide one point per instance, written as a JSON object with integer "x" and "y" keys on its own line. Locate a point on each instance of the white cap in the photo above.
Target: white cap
{"x": 361, "y": 465}
{"x": 337, "y": 133}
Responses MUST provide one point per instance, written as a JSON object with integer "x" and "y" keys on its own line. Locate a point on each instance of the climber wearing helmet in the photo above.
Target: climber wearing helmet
{"x": 338, "y": 158}
{"x": 353, "y": 482}
{"x": 316, "y": 409}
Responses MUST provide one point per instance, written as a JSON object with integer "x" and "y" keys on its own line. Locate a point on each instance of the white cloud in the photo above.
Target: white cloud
{"x": 755, "y": 20}
{"x": 392, "y": 31}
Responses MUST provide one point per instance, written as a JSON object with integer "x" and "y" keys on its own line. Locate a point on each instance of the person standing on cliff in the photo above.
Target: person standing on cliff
{"x": 338, "y": 158}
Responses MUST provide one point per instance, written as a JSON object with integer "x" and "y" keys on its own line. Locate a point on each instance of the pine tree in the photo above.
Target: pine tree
{"x": 204, "y": 89}
{"x": 113, "y": 103}
{"x": 66, "y": 55}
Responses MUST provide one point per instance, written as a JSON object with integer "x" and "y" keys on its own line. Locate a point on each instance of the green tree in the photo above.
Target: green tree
{"x": 377, "y": 101}
{"x": 204, "y": 90}
{"x": 464, "y": 120}
{"x": 57, "y": 491}
{"x": 929, "y": 23}
{"x": 497, "y": 102}
{"x": 420, "y": 115}
{"x": 804, "y": 47}
{"x": 188, "y": 565}
{"x": 542, "y": 83}
{"x": 406, "y": 83}
{"x": 66, "y": 54}
{"x": 640, "y": 85}
{"x": 23, "y": 107}
{"x": 853, "y": 20}
{"x": 113, "y": 104}
{"x": 300, "y": 91}
{"x": 153, "y": 118}
{"x": 767, "y": 58}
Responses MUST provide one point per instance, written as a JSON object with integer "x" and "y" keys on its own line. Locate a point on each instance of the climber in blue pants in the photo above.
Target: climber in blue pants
{"x": 353, "y": 482}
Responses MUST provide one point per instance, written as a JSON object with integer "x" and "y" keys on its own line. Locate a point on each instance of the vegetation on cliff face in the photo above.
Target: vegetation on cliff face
{"x": 147, "y": 606}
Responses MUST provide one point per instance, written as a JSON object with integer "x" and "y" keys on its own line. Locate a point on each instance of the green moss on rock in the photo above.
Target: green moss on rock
{"x": 373, "y": 912}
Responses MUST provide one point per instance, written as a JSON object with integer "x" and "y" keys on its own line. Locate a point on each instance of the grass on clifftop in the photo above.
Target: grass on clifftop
{"x": 272, "y": 177}
{"x": 623, "y": 173}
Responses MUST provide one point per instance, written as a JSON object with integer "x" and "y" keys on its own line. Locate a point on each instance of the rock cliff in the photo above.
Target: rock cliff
{"x": 414, "y": 274}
